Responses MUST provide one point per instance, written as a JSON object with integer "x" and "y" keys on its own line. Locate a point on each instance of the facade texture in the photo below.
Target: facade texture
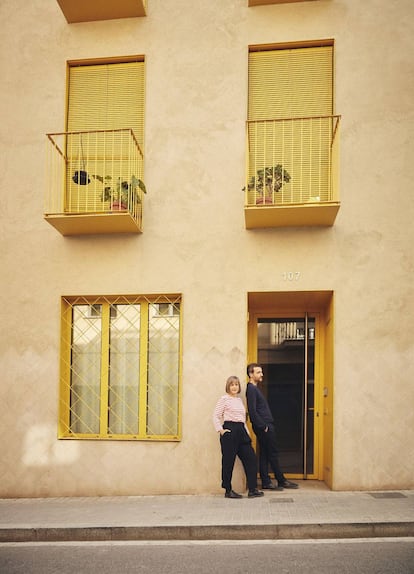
{"x": 354, "y": 278}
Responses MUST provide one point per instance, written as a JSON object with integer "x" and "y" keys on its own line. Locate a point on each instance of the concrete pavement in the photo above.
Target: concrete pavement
{"x": 312, "y": 511}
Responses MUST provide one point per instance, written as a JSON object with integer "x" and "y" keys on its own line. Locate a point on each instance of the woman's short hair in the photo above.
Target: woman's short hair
{"x": 231, "y": 380}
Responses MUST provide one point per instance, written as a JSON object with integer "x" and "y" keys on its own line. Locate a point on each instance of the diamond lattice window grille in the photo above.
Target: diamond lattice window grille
{"x": 120, "y": 367}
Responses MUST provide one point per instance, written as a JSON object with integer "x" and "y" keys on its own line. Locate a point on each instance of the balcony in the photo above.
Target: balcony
{"x": 87, "y": 11}
{"x": 292, "y": 172}
{"x": 94, "y": 182}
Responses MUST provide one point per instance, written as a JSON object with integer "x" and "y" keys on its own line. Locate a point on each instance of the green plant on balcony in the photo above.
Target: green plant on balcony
{"x": 266, "y": 182}
{"x": 119, "y": 193}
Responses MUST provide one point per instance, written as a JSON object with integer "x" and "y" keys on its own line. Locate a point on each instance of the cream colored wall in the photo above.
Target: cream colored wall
{"x": 194, "y": 240}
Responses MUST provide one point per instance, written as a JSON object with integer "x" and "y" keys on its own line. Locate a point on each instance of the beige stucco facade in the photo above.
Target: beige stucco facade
{"x": 195, "y": 242}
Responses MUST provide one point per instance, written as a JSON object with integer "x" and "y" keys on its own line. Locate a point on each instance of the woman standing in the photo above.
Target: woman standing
{"x": 229, "y": 419}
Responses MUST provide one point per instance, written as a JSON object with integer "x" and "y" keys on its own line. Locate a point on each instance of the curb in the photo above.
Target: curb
{"x": 219, "y": 532}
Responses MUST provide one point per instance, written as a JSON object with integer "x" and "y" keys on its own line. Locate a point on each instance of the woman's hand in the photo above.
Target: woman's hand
{"x": 223, "y": 431}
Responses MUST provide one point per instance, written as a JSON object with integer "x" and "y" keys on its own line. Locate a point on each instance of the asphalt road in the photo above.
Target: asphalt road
{"x": 373, "y": 556}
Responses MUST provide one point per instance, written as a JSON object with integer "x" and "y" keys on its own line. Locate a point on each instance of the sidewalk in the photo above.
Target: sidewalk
{"x": 309, "y": 512}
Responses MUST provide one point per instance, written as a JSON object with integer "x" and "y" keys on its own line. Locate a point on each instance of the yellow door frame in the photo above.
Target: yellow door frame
{"x": 318, "y": 305}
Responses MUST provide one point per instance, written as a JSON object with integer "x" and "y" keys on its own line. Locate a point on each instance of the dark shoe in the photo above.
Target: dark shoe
{"x": 255, "y": 493}
{"x": 232, "y": 494}
{"x": 271, "y": 486}
{"x": 288, "y": 484}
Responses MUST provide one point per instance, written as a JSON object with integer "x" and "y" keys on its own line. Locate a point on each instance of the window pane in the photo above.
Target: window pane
{"x": 85, "y": 369}
{"x": 163, "y": 370}
{"x": 123, "y": 391}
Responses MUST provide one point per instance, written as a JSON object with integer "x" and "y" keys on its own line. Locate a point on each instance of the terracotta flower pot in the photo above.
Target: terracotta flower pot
{"x": 119, "y": 206}
{"x": 264, "y": 200}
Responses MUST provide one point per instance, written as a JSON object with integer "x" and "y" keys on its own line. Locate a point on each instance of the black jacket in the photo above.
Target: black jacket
{"x": 258, "y": 407}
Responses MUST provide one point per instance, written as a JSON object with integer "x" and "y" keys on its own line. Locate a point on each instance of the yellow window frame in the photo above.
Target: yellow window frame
{"x": 146, "y": 385}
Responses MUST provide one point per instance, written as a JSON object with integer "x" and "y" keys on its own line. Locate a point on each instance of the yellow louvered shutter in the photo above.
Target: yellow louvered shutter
{"x": 107, "y": 97}
{"x": 102, "y": 97}
{"x": 289, "y": 84}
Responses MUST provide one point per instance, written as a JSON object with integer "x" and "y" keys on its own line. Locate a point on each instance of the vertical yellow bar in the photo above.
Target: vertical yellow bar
{"x": 64, "y": 382}
{"x": 326, "y": 407}
{"x": 180, "y": 365}
{"x": 105, "y": 349}
{"x": 251, "y": 358}
{"x": 334, "y": 160}
{"x": 143, "y": 369}
{"x": 318, "y": 397}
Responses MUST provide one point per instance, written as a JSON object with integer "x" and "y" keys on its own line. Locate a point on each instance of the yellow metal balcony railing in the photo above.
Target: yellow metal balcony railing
{"x": 94, "y": 182}
{"x": 292, "y": 172}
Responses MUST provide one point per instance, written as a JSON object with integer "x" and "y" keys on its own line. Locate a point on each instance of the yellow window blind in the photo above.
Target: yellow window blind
{"x": 102, "y": 98}
{"x": 107, "y": 97}
{"x": 290, "y": 83}
{"x": 290, "y": 124}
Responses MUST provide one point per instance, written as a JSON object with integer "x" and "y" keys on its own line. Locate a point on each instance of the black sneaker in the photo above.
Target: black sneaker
{"x": 255, "y": 493}
{"x": 288, "y": 484}
{"x": 271, "y": 486}
{"x": 232, "y": 494}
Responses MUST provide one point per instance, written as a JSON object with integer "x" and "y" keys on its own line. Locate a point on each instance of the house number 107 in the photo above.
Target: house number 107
{"x": 291, "y": 275}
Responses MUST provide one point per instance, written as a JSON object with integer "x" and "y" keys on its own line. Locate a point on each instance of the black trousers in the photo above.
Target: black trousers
{"x": 237, "y": 443}
{"x": 268, "y": 455}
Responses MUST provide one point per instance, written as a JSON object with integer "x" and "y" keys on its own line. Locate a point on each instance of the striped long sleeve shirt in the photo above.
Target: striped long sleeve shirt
{"x": 229, "y": 408}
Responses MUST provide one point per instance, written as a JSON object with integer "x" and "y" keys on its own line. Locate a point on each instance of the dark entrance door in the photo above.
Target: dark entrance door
{"x": 286, "y": 352}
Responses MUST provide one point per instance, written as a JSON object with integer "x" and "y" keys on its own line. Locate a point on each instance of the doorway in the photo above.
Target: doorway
{"x": 290, "y": 337}
{"x": 286, "y": 351}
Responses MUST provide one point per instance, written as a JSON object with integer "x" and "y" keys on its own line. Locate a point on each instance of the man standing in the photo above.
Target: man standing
{"x": 264, "y": 428}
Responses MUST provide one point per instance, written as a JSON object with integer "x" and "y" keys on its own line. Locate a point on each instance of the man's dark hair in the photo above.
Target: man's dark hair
{"x": 251, "y": 367}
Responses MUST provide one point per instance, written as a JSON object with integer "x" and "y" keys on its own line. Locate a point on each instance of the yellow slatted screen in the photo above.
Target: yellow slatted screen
{"x": 289, "y": 84}
{"x": 107, "y": 97}
{"x": 102, "y": 97}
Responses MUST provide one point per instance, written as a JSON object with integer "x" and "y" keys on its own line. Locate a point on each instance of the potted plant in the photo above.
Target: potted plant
{"x": 266, "y": 182}
{"x": 119, "y": 194}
